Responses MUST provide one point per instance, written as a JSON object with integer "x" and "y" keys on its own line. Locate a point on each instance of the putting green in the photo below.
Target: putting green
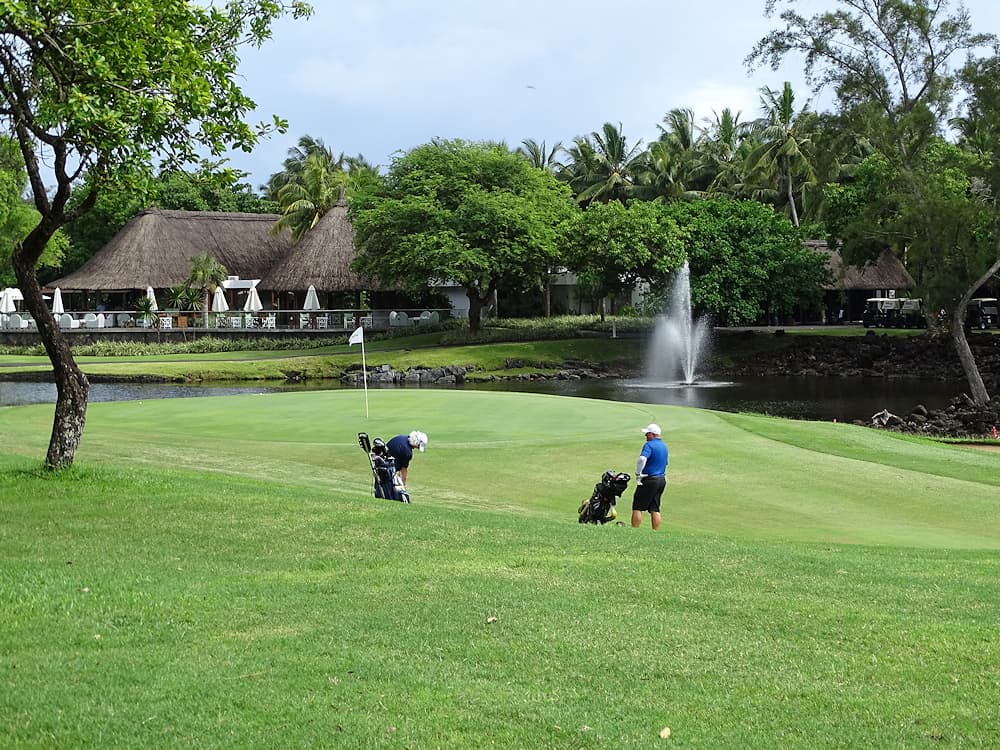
{"x": 538, "y": 455}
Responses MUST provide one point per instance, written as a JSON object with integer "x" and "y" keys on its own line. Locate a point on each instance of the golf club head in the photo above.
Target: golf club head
{"x": 364, "y": 442}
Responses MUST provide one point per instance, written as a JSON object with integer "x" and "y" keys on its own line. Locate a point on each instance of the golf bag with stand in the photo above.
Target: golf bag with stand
{"x": 600, "y": 507}
{"x": 388, "y": 485}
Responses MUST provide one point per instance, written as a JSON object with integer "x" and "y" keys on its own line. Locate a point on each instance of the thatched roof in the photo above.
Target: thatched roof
{"x": 885, "y": 273}
{"x": 322, "y": 258}
{"x": 155, "y": 249}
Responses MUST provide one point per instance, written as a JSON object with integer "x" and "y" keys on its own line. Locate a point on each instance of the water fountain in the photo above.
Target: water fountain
{"x": 678, "y": 341}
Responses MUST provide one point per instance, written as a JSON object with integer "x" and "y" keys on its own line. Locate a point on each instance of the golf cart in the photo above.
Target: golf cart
{"x": 881, "y": 312}
{"x": 982, "y": 313}
{"x": 911, "y": 314}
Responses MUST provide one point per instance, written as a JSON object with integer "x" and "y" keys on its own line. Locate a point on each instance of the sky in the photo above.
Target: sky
{"x": 380, "y": 77}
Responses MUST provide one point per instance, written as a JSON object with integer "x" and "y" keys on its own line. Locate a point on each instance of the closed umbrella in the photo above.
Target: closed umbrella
{"x": 312, "y": 301}
{"x": 57, "y": 303}
{"x": 7, "y": 302}
{"x": 152, "y": 298}
{"x": 219, "y": 303}
{"x": 253, "y": 303}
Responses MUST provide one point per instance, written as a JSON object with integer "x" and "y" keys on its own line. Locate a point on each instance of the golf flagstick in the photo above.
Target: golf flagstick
{"x": 358, "y": 337}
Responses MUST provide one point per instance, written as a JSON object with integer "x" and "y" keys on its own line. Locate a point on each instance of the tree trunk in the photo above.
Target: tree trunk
{"x": 604, "y": 308}
{"x": 548, "y": 296}
{"x": 965, "y": 356}
{"x": 979, "y": 393}
{"x": 476, "y": 304}
{"x": 791, "y": 200}
{"x": 72, "y": 387}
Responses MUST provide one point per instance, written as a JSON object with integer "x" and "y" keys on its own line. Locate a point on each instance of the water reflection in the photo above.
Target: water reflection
{"x": 844, "y": 399}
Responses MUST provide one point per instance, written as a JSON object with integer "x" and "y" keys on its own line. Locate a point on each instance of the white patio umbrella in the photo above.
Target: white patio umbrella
{"x": 152, "y": 298}
{"x": 7, "y": 302}
{"x": 312, "y": 301}
{"x": 57, "y": 303}
{"x": 253, "y": 303}
{"x": 219, "y": 303}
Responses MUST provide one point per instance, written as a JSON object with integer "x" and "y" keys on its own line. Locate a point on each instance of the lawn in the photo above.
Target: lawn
{"x": 214, "y": 573}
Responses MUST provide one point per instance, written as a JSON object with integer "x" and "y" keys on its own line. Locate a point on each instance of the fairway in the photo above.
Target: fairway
{"x": 213, "y": 572}
{"x": 537, "y": 455}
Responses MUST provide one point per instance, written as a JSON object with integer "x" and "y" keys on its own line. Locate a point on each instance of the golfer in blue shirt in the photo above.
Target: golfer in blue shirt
{"x": 650, "y": 477}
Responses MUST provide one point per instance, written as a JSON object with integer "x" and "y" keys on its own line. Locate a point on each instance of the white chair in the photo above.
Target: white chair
{"x": 269, "y": 320}
{"x": 166, "y": 321}
{"x": 124, "y": 320}
{"x": 349, "y": 322}
{"x": 90, "y": 321}
{"x": 321, "y": 321}
{"x": 304, "y": 320}
{"x": 16, "y": 322}
{"x": 236, "y": 322}
{"x": 249, "y": 320}
{"x": 398, "y": 319}
{"x": 68, "y": 321}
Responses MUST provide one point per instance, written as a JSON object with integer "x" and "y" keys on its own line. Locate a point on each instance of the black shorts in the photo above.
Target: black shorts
{"x": 647, "y": 495}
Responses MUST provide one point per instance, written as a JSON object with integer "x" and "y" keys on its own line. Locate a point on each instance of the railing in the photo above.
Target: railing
{"x": 266, "y": 320}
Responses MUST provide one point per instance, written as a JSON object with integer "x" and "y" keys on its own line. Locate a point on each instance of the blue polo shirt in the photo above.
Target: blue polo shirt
{"x": 399, "y": 448}
{"x": 655, "y": 451}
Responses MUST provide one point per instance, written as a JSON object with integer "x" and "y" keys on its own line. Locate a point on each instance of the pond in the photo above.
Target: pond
{"x": 844, "y": 399}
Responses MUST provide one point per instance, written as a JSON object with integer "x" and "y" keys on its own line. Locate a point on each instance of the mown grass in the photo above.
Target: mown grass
{"x": 214, "y": 573}
{"x": 332, "y": 361}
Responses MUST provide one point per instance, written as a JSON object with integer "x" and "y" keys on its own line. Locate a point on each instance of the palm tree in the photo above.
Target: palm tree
{"x": 206, "y": 274}
{"x": 603, "y": 167}
{"x": 295, "y": 164}
{"x": 784, "y": 153}
{"x": 312, "y": 181}
{"x": 674, "y": 166}
{"x": 539, "y": 155}
{"x": 725, "y": 151}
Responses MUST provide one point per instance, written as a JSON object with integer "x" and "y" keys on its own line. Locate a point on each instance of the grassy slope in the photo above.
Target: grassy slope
{"x": 252, "y": 595}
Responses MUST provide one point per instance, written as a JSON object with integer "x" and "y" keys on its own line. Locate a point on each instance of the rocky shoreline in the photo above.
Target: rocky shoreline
{"x": 883, "y": 356}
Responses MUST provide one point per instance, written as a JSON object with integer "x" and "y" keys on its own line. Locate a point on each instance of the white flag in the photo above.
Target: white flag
{"x": 358, "y": 337}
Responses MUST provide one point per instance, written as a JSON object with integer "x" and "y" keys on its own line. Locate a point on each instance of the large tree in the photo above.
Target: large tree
{"x": 892, "y": 65}
{"x": 98, "y": 89}
{"x": 612, "y": 247}
{"x": 747, "y": 261}
{"x": 477, "y": 214}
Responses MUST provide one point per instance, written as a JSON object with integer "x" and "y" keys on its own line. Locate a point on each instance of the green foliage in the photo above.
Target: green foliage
{"x": 746, "y": 260}
{"x": 313, "y": 180}
{"x": 477, "y": 214}
{"x": 18, "y": 217}
{"x": 612, "y": 247}
{"x": 184, "y": 298}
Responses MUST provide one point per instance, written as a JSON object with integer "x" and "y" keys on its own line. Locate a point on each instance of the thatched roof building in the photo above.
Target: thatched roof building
{"x": 155, "y": 249}
{"x": 886, "y": 273}
{"x": 322, "y": 258}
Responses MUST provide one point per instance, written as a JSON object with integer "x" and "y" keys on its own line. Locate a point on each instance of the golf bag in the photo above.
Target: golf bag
{"x": 601, "y": 506}
{"x": 388, "y": 485}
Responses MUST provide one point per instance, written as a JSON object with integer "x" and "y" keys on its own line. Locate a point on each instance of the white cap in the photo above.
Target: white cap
{"x": 418, "y": 440}
{"x": 652, "y": 427}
